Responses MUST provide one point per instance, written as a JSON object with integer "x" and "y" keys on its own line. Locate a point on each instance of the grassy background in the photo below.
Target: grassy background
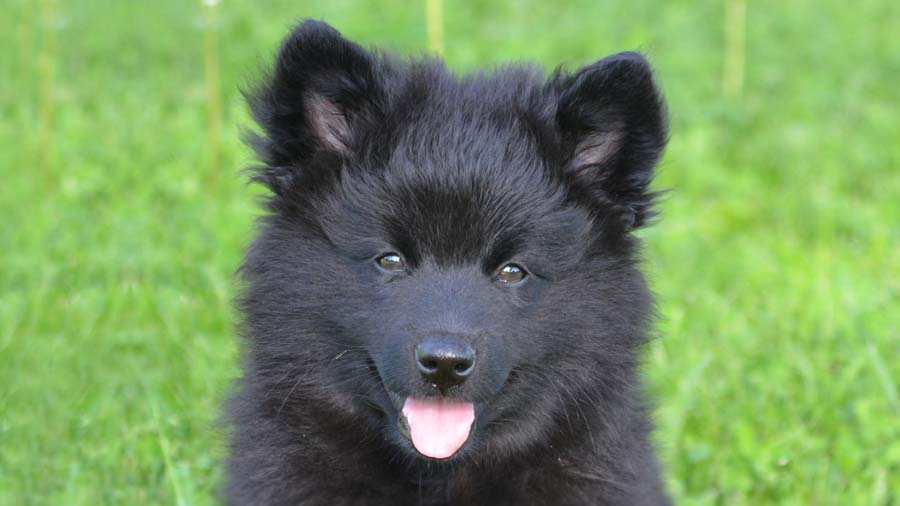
{"x": 777, "y": 260}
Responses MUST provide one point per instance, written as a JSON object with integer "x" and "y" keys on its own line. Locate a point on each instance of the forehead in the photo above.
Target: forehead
{"x": 455, "y": 216}
{"x": 457, "y": 171}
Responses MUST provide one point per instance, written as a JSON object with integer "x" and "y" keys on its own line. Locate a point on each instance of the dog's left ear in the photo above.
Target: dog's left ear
{"x": 613, "y": 124}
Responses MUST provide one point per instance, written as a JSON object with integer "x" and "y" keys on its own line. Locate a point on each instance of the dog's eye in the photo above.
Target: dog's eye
{"x": 390, "y": 262}
{"x": 511, "y": 273}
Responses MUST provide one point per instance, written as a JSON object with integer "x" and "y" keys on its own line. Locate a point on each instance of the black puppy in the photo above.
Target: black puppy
{"x": 443, "y": 304}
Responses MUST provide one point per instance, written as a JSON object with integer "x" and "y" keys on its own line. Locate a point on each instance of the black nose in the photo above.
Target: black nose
{"x": 445, "y": 361}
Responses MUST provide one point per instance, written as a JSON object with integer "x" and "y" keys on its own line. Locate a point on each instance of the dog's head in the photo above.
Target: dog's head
{"x": 448, "y": 261}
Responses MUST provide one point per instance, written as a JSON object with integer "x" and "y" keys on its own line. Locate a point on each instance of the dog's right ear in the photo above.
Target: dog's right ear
{"x": 323, "y": 87}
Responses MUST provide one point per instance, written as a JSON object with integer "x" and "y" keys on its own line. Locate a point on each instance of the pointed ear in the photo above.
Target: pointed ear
{"x": 321, "y": 89}
{"x": 613, "y": 125}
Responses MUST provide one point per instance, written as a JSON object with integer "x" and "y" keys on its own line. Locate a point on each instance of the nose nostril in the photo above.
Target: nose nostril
{"x": 462, "y": 367}
{"x": 430, "y": 364}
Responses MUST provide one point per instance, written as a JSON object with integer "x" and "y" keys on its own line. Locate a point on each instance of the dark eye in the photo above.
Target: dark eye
{"x": 511, "y": 273}
{"x": 391, "y": 262}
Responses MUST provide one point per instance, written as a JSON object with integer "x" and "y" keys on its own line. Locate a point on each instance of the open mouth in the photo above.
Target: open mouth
{"x": 436, "y": 426}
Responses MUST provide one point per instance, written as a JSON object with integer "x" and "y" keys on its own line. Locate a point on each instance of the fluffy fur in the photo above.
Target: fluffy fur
{"x": 365, "y": 154}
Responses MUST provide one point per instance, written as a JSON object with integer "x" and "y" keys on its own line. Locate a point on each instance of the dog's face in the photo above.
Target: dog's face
{"x": 449, "y": 262}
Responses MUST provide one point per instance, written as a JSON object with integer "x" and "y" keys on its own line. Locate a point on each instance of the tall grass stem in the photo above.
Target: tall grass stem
{"x": 434, "y": 24}
{"x": 735, "y": 47}
{"x": 213, "y": 96}
{"x": 46, "y": 77}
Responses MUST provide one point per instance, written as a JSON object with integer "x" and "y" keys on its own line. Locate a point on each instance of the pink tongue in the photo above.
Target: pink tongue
{"x": 438, "y": 427}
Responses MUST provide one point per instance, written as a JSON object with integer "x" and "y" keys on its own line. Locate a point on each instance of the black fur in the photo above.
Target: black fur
{"x": 366, "y": 154}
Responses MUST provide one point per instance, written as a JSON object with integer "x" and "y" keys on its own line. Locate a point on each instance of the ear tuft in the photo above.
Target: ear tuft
{"x": 597, "y": 149}
{"x": 328, "y": 124}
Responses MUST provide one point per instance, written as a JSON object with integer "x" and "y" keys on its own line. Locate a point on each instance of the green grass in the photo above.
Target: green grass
{"x": 777, "y": 261}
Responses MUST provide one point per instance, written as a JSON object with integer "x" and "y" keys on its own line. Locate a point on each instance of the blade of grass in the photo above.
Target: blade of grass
{"x": 735, "y": 41}
{"x": 434, "y": 22}
{"x": 211, "y": 81}
{"x": 46, "y": 73}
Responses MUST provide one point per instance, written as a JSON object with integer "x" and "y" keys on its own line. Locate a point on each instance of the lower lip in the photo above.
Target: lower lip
{"x": 403, "y": 426}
